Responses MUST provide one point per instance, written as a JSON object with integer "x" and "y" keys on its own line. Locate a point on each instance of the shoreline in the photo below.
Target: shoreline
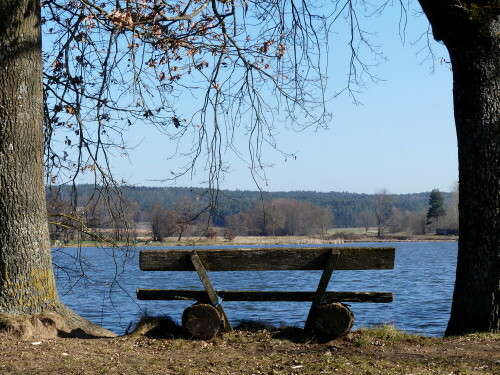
{"x": 260, "y": 240}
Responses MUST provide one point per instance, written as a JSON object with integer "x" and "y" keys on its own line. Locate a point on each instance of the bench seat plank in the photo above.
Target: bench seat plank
{"x": 247, "y": 295}
{"x": 274, "y": 259}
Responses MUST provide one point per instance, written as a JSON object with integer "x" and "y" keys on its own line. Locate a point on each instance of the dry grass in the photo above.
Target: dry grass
{"x": 382, "y": 350}
{"x": 387, "y": 334}
{"x": 339, "y": 236}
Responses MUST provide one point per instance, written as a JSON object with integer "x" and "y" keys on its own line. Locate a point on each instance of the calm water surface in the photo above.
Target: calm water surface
{"x": 100, "y": 285}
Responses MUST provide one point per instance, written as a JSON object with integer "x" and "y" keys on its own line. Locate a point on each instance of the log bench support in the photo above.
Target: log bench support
{"x": 212, "y": 295}
{"x": 325, "y": 259}
{"x": 320, "y": 291}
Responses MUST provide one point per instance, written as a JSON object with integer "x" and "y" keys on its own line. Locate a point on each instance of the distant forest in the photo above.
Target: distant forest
{"x": 345, "y": 207}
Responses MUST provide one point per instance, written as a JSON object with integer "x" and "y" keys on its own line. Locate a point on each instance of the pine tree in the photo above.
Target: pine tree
{"x": 436, "y": 206}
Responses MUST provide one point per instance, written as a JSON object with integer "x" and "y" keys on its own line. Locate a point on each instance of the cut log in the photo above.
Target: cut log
{"x": 333, "y": 320}
{"x": 202, "y": 321}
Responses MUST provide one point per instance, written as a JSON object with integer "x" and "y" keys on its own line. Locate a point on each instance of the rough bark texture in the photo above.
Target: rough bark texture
{"x": 471, "y": 33}
{"x": 27, "y": 285}
{"x": 476, "y": 71}
{"x": 27, "y": 281}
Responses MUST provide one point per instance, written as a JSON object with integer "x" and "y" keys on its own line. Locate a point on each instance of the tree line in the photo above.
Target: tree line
{"x": 184, "y": 211}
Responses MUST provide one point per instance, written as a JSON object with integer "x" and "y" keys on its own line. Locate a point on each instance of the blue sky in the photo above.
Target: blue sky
{"x": 402, "y": 136}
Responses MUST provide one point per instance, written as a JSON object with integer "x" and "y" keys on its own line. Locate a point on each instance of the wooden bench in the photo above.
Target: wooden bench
{"x": 326, "y": 259}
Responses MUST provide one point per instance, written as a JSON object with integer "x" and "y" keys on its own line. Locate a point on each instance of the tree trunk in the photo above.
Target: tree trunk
{"x": 27, "y": 284}
{"x": 472, "y": 36}
{"x": 476, "y": 72}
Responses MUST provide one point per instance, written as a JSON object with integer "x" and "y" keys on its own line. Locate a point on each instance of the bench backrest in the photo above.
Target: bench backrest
{"x": 269, "y": 259}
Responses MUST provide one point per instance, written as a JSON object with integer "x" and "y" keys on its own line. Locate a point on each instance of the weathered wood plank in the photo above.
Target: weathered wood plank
{"x": 210, "y": 291}
{"x": 250, "y": 295}
{"x": 350, "y": 258}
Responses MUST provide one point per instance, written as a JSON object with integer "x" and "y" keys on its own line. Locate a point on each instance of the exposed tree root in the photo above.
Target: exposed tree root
{"x": 62, "y": 322}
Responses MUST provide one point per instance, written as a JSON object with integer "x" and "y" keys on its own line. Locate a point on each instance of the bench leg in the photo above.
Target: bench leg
{"x": 212, "y": 295}
{"x": 320, "y": 291}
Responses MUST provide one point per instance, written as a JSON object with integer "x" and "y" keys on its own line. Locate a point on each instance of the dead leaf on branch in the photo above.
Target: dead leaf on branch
{"x": 280, "y": 51}
{"x": 70, "y": 109}
{"x": 201, "y": 65}
{"x": 121, "y": 19}
{"x": 191, "y": 52}
{"x": 265, "y": 47}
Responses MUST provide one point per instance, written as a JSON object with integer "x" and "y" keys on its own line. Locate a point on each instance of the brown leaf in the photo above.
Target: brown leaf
{"x": 70, "y": 109}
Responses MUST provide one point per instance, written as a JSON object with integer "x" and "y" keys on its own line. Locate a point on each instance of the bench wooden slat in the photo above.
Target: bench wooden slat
{"x": 247, "y": 295}
{"x": 350, "y": 258}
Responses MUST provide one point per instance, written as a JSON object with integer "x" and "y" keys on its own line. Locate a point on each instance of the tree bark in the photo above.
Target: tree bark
{"x": 27, "y": 283}
{"x": 476, "y": 72}
{"x": 472, "y": 36}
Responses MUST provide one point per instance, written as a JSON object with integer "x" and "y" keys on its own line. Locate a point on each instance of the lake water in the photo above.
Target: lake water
{"x": 100, "y": 285}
